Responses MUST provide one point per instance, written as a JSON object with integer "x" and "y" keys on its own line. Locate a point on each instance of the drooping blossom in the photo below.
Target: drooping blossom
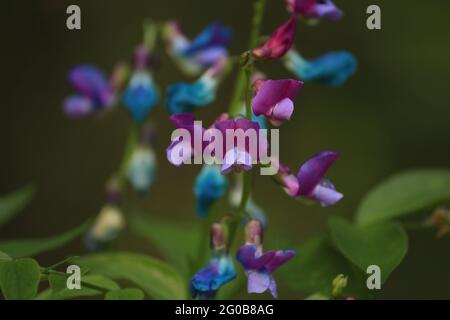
{"x": 194, "y": 56}
{"x": 310, "y": 184}
{"x": 315, "y": 9}
{"x": 209, "y": 186}
{"x": 275, "y": 99}
{"x": 260, "y": 266}
{"x": 142, "y": 166}
{"x": 94, "y": 92}
{"x": 220, "y": 269}
{"x": 106, "y": 228}
{"x": 331, "y": 69}
{"x": 186, "y": 97}
{"x": 279, "y": 43}
{"x": 141, "y": 95}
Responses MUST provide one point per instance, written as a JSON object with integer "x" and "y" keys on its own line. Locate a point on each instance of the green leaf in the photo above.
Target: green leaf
{"x": 4, "y": 257}
{"x": 404, "y": 194}
{"x": 13, "y": 203}
{"x": 33, "y": 247}
{"x": 313, "y": 269}
{"x": 157, "y": 278}
{"x": 177, "y": 242}
{"x": 91, "y": 285}
{"x": 19, "y": 279}
{"x": 384, "y": 245}
{"x": 125, "y": 294}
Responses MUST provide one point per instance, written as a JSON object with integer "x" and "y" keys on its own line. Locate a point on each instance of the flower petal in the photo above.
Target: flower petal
{"x": 258, "y": 282}
{"x": 280, "y": 257}
{"x": 78, "y": 106}
{"x": 246, "y": 255}
{"x": 282, "y": 111}
{"x": 313, "y": 170}
{"x": 326, "y": 196}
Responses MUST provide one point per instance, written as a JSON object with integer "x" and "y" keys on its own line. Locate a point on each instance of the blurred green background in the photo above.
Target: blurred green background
{"x": 393, "y": 115}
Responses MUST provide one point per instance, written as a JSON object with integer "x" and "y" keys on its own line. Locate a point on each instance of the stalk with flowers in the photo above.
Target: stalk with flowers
{"x": 330, "y": 267}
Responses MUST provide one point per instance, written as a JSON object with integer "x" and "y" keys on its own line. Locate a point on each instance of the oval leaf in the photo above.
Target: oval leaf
{"x": 32, "y": 247}
{"x": 384, "y": 245}
{"x": 13, "y": 203}
{"x": 4, "y": 257}
{"x": 125, "y": 294}
{"x": 404, "y": 194}
{"x": 19, "y": 279}
{"x": 158, "y": 279}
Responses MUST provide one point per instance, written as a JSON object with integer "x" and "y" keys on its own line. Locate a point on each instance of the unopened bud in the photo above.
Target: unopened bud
{"x": 255, "y": 232}
{"x": 339, "y": 284}
{"x": 218, "y": 237}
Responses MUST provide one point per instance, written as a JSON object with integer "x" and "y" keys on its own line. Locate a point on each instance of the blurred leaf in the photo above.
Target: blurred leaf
{"x": 91, "y": 285}
{"x": 317, "y": 297}
{"x": 404, "y": 194}
{"x": 13, "y": 203}
{"x": 313, "y": 269}
{"x": 158, "y": 279}
{"x": 19, "y": 279}
{"x": 32, "y": 247}
{"x": 125, "y": 294}
{"x": 176, "y": 241}
{"x": 4, "y": 257}
{"x": 384, "y": 245}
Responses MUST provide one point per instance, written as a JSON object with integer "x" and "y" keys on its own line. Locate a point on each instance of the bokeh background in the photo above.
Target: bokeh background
{"x": 393, "y": 115}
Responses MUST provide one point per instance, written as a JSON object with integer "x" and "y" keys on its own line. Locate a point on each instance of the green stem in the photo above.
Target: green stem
{"x": 132, "y": 141}
{"x": 242, "y": 81}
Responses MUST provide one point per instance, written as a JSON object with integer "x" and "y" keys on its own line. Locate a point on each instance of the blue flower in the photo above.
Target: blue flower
{"x": 210, "y": 186}
{"x": 193, "y": 56}
{"x": 331, "y": 69}
{"x": 141, "y": 96}
{"x": 185, "y": 97}
{"x": 142, "y": 168}
{"x": 208, "y": 280}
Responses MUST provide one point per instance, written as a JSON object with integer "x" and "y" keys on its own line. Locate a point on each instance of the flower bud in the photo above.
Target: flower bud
{"x": 254, "y": 232}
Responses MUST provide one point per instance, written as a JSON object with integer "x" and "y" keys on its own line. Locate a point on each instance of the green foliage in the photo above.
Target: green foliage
{"x": 13, "y": 203}
{"x": 177, "y": 242}
{"x": 91, "y": 285}
{"x": 404, "y": 194}
{"x": 32, "y": 247}
{"x": 158, "y": 279}
{"x": 125, "y": 294}
{"x": 313, "y": 269}
{"x": 19, "y": 279}
{"x": 4, "y": 257}
{"x": 384, "y": 245}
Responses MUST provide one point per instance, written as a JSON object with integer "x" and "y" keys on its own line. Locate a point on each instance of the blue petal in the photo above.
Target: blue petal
{"x": 332, "y": 69}
{"x": 142, "y": 169}
{"x": 184, "y": 97}
{"x": 141, "y": 96}
{"x": 215, "y": 35}
{"x": 217, "y": 273}
{"x": 209, "y": 186}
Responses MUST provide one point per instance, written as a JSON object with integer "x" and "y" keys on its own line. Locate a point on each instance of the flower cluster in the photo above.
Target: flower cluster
{"x": 258, "y": 103}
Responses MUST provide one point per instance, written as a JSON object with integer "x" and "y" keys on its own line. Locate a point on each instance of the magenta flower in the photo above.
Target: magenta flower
{"x": 275, "y": 99}
{"x": 310, "y": 183}
{"x": 315, "y": 9}
{"x": 279, "y": 42}
{"x": 95, "y": 93}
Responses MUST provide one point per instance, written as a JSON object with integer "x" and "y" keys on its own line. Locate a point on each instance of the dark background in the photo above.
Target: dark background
{"x": 393, "y": 115}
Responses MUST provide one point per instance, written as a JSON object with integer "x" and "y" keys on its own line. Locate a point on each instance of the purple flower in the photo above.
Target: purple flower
{"x": 240, "y": 155}
{"x": 310, "y": 183}
{"x": 275, "y": 99}
{"x": 279, "y": 42}
{"x": 259, "y": 267}
{"x": 200, "y": 53}
{"x": 315, "y": 9}
{"x": 95, "y": 93}
{"x": 183, "y": 148}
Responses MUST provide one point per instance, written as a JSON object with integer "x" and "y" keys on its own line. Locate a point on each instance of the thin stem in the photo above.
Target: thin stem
{"x": 242, "y": 81}
{"x": 132, "y": 141}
